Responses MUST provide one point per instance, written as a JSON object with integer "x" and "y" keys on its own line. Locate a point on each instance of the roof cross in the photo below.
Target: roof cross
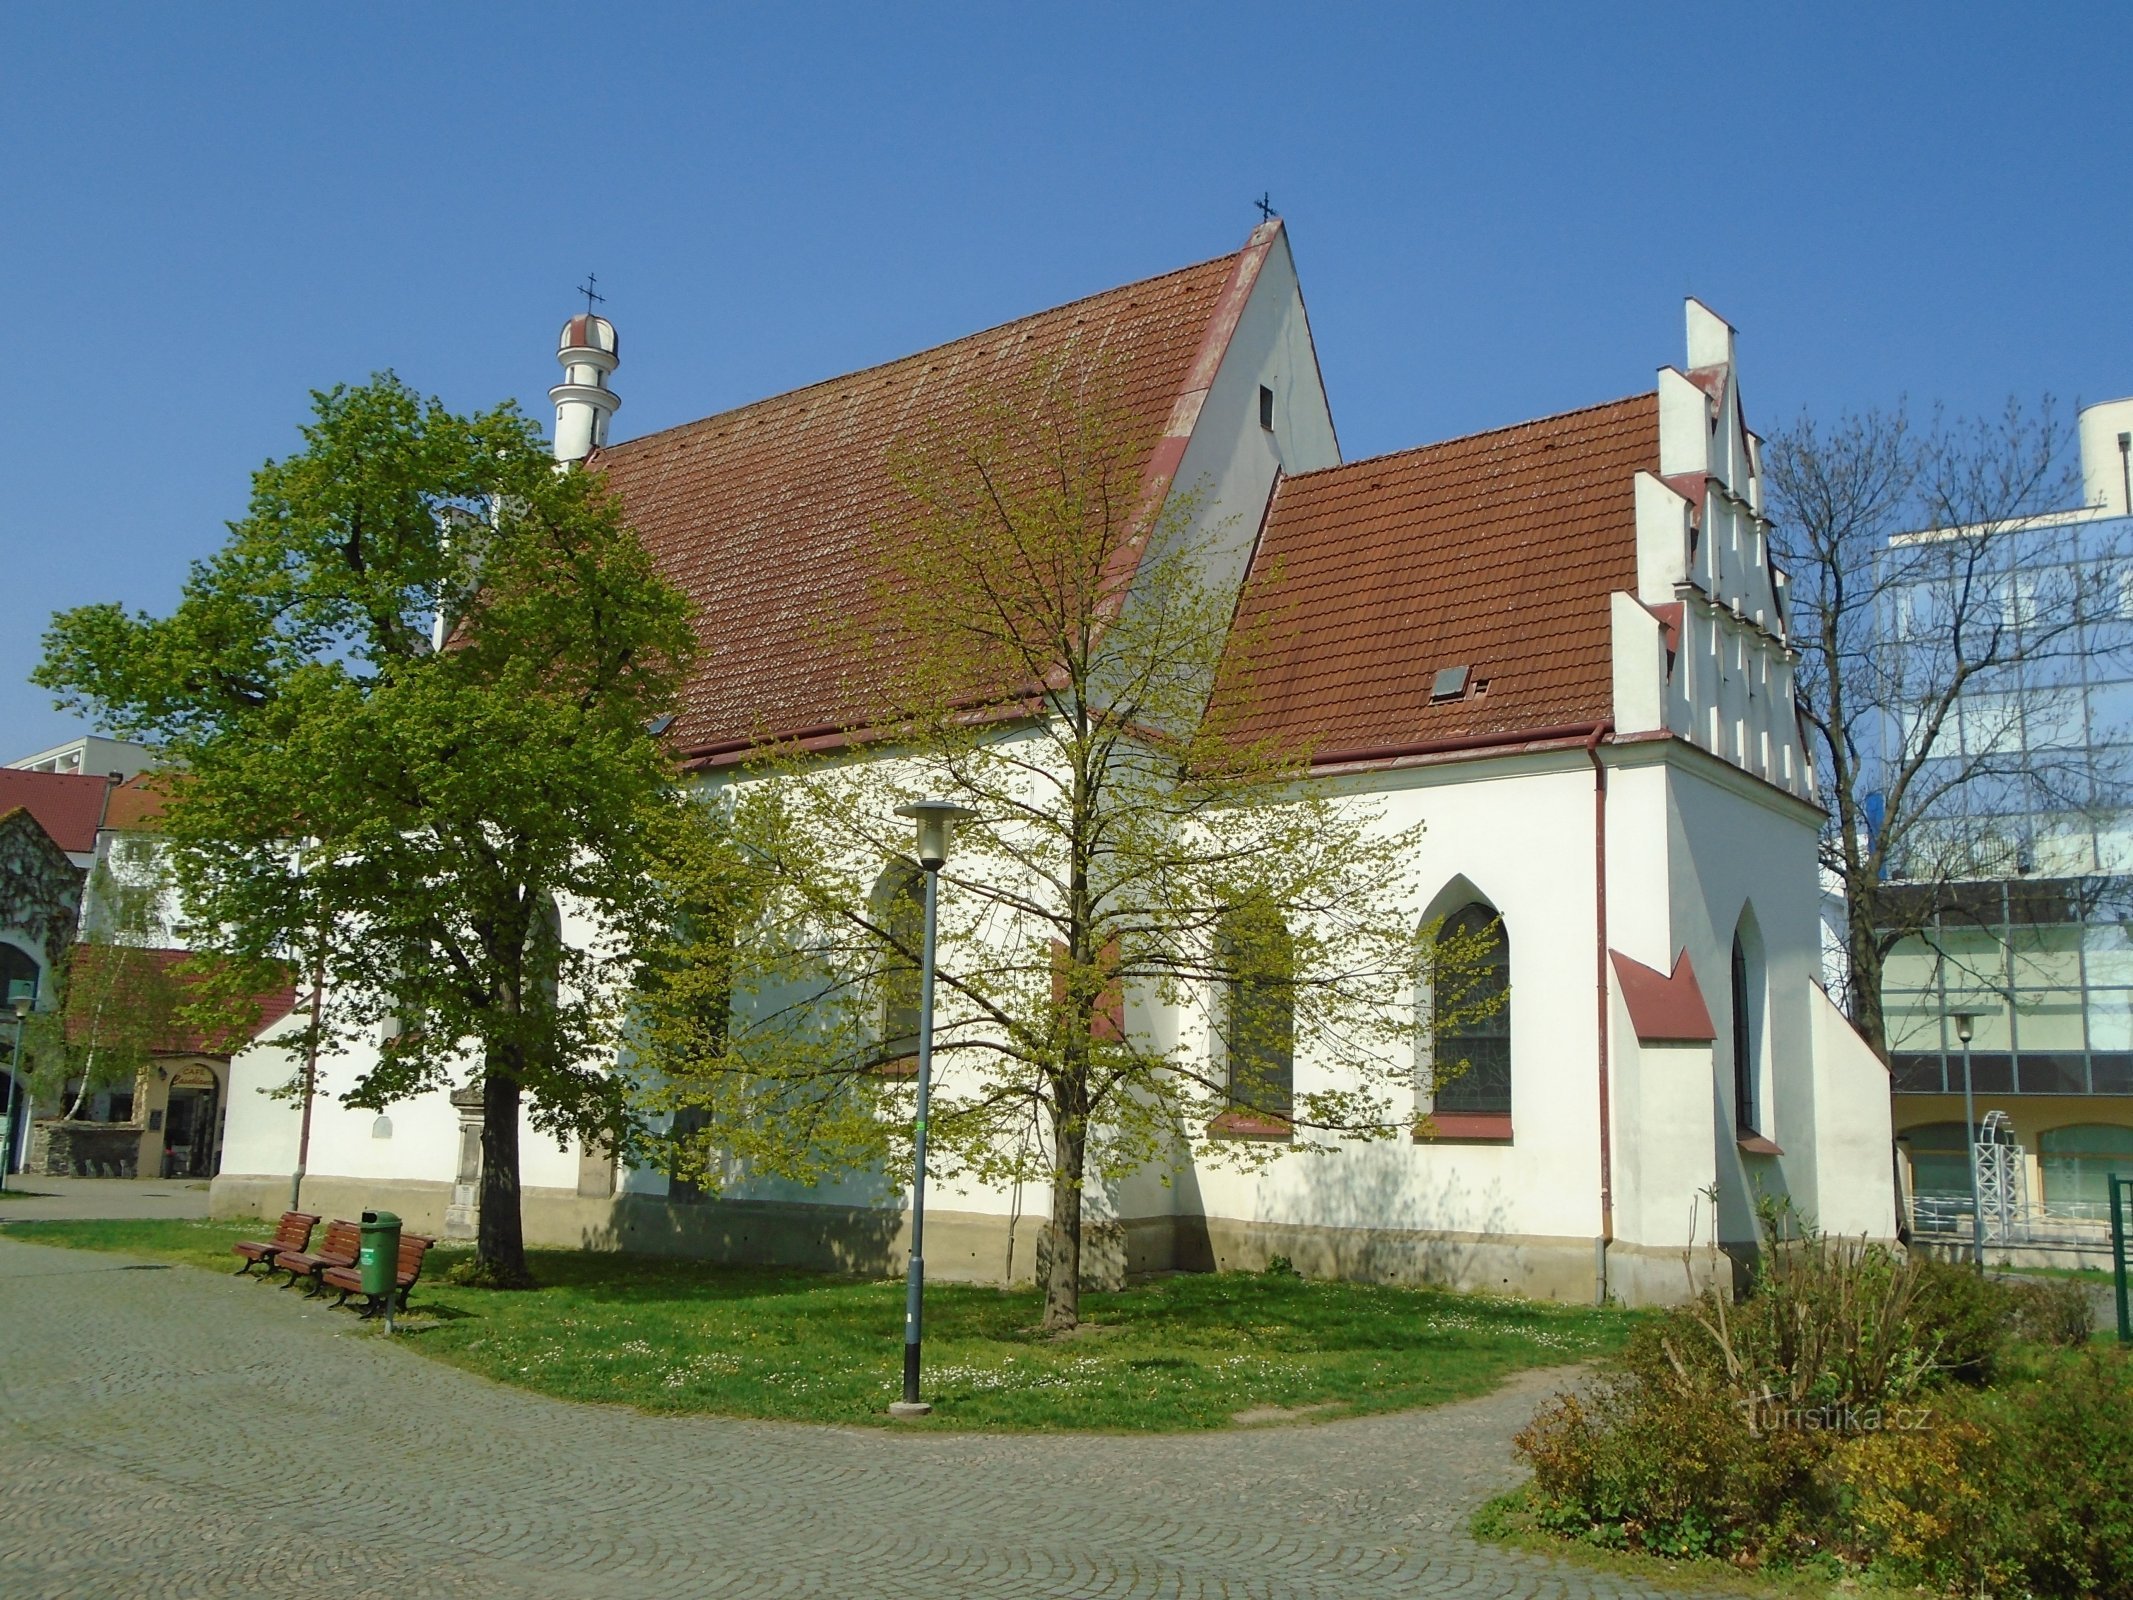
{"x": 586, "y": 289}
{"x": 1266, "y": 206}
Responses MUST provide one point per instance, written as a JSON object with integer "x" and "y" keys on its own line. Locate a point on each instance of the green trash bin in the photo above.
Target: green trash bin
{"x": 378, "y": 1256}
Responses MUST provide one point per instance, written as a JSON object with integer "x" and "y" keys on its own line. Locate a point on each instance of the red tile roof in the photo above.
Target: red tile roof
{"x": 763, "y": 515}
{"x": 67, "y": 805}
{"x": 137, "y": 804}
{"x": 181, "y": 1038}
{"x": 1664, "y": 1007}
{"x": 1496, "y": 553}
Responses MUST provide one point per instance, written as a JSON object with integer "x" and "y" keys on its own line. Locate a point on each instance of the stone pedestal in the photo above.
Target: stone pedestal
{"x": 596, "y": 1171}
{"x": 462, "y": 1218}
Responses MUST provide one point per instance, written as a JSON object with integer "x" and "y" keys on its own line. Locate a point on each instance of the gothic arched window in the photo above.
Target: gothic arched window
{"x": 900, "y": 912}
{"x": 1470, "y": 1032}
{"x": 1747, "y": 997}
{"x": 1258, "y": 959}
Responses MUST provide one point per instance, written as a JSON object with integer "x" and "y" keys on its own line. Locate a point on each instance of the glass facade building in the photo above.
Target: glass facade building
{"x": 2035, "y": 943}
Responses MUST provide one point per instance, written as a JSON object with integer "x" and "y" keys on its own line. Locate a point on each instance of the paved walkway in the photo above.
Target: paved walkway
{"x": 31, "y": 1197}
{"x": 165, "y": 1432}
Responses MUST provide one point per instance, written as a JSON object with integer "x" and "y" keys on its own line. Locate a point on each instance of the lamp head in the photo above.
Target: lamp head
{"x": 22, "y": 1004}
{"x": 936, "y": 819}
{"x": 1965, "y": 1026}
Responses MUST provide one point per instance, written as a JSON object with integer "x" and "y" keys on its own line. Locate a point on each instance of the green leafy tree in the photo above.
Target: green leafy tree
{"x": 1048, "y": 645}
{"x": 438, "y": 810}
{"x": 118, "y": 996}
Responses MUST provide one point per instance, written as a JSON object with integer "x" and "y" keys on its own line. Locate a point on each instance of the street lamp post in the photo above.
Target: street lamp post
{"x": 22, "y": 1004}
{"x": 936, "y": 819}
{"x": 1965, "y": 1027}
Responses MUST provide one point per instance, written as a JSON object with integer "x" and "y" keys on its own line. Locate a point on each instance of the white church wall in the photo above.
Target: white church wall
{"x": 1856, "y": 1191}
{"x": 1664, "y": 1156}
{"x": 1519, "y": 829}
{"x": 260, "y": 1133}
{"x": 1230, "y": 460}
{"x": 1741, "y": 849}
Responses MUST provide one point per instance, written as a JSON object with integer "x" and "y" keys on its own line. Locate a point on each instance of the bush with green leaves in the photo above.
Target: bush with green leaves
{"x": 1844, "y": 1408}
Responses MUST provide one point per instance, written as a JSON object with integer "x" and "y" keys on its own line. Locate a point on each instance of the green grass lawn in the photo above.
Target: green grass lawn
{"x": 1190, "y": 1351}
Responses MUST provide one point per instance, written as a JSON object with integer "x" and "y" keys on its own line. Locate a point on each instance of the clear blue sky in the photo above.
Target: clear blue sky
{"x": 210, "y": 210}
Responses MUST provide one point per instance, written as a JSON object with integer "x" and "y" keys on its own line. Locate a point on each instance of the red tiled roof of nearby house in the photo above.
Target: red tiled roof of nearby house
{"x": 1664, "y": 1007}
{"x": 137, "y": 804}
{"x": 1496, "y": 553}
{"x": 67, "y": 805}
{"x": 763, "y": 515}
{"x": 181, "y": 1038}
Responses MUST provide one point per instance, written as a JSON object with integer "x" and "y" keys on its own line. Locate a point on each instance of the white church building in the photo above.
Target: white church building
{"x": 1560, "y": 644}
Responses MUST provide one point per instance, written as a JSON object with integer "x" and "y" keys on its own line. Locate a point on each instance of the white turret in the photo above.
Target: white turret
{"x": 583, "y": 401}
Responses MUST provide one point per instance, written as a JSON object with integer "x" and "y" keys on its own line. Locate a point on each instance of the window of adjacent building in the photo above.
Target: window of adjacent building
{"x": 1266, "y": 407}
{"x": 18, "y": 973}
{"x": 2076, "y": 1162}
{"x": 1471, "y": 1022}
{"x": 1258, "y": 957}
{"x": 900, "y": 912}
{"x": 1940, "y": 1161}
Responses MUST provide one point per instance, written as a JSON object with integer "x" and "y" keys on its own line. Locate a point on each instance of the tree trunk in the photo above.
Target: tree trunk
{"x": 1864, "y": 953}
{"x": 1062, "y": 1279}
{"x": 500, "y": 1241}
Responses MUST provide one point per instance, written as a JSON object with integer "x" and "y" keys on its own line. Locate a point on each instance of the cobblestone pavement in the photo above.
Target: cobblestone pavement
{"x": 32, "y": 1197}
{"x": 164, "y": 1432}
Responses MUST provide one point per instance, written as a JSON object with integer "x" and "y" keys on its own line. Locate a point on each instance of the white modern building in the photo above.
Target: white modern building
{"x": 93, "y": 756}
{"x": 1561, "y": 644}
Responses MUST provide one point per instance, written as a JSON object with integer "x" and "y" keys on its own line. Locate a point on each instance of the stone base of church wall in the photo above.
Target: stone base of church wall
{"x": 961, "y": 1246}
{"x": 980, "y": 1247}
{"x": 1536, "y": 1267}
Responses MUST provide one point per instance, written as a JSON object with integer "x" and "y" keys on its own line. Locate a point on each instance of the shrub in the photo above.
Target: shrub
{"x": 2054, "y": 1311}
{"x": 1816, "y": 1414}
{"x": 2068, "y": 1464}
{"x": 1926, "y": 1505}
{"x": 1672, "y": 1467}
{"x": 1969, "y": 1315}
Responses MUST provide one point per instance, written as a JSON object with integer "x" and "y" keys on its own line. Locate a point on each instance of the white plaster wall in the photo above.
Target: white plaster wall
{"x": 1733, "y": 843}
{"x": 1231, "y": 460}
{"x": 1664, "y": 1156}
{"x": 1856, "y": 1191}
{"x": 1520, "y": 830}
{"x": 262, "y": 1131}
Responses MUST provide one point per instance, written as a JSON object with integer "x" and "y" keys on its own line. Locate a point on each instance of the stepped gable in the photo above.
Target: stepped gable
{"x": 762, "y": 515}
{"x": 1496, "y": 553}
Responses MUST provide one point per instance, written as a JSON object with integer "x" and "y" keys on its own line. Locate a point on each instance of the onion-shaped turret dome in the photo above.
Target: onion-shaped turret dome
{"x": 588, "y": 331}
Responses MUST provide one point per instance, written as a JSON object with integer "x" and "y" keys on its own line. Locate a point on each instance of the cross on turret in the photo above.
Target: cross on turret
{"x": 586, "y": 289}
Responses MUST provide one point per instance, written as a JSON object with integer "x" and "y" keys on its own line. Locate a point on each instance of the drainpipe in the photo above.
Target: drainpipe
{"x": 1601, "y": 1014}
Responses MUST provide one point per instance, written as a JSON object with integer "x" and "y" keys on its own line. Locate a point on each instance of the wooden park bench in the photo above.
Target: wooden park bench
{"x": 349, "y": 1280}
{"x": 343, "y": 1239}
{"x": 292, "y": 1235}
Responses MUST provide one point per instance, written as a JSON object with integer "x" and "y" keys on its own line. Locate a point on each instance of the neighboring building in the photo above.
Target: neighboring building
{"x": 93, "y": 756}
{"x": 2039, "y": 947}
{"x": 1560, "y": 643}
{"x": 59, "y": 830}
{"x": 48, "y": 823}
